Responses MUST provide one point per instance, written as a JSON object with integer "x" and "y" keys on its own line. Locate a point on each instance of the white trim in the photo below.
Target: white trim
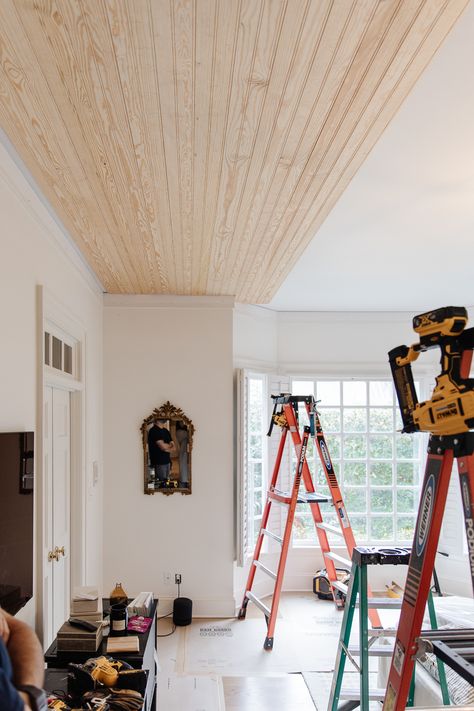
{"x": 220, "y": 607}
{"x": 50, "y": 311}
{"x": 165, "y": 301}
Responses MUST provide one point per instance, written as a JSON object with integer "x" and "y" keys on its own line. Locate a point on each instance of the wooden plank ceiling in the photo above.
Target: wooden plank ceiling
{"x": 195, "y": 146}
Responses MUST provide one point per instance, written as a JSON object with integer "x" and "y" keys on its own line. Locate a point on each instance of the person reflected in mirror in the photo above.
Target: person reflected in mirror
{"x": 21, "y": 667}
{"x": 160, "y": 447}
{"x": 183, "y": 438}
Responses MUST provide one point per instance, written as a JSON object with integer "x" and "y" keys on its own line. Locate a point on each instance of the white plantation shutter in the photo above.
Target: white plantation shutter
{"x": 242, "y": 467}
{"x": 278, "y": 384}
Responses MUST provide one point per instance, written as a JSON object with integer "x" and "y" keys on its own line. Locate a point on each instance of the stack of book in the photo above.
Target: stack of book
{"x": 141, "y": 605}
{"x": 86, "y": 604}
{"x": 71, "y": 638}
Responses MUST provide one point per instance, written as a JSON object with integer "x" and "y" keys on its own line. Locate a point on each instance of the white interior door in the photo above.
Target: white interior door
{"x": 57, "y": 468}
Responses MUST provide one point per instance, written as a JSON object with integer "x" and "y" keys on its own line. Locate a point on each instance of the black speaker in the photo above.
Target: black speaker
{"x": 182, "y": 611}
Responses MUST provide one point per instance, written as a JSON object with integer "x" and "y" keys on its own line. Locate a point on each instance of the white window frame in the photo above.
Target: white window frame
{"x": 312, "y": 380}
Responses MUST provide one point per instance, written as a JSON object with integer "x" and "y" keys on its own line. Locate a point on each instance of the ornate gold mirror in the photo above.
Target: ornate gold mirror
{"x": 167, "y": 436}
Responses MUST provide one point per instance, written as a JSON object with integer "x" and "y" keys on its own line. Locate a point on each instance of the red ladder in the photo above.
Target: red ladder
{"x": 287, "y": 418}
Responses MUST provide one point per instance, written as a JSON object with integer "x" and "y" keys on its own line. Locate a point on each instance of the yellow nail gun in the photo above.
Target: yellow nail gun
{"x": 451, "y": 408}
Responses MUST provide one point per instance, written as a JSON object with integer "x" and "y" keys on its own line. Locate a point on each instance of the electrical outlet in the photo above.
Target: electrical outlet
{"x": 167, "y": 578}
{"x": 177, "y": 578}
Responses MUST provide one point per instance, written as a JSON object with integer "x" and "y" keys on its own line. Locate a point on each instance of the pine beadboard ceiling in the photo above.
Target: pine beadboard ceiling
{"x": 195, "y": 146}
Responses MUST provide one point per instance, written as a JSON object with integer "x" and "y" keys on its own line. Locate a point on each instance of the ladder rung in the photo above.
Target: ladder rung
{"x": 339, "y": 559}
{"x": 311, "y": 497}
{"x": 380, "y": 650}
{"x": 384, "y": 603}
{"x": 381, "y": 632}
{"x": 330, "y": 529}
{"x": 339, "y": 586}
{"x": 253, "y": 598}
{"x": 264, "y": 568}
{"x": 266, "y": 532}
{"x": 374, "y": 694}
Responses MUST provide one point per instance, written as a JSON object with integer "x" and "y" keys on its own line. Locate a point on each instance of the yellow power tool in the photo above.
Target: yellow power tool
{"x": 451, "y": 408}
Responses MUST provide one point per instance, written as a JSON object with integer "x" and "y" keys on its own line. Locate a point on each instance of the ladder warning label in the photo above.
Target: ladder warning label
{"x": 212, "y": 631}
{"x": 398, "y": 658}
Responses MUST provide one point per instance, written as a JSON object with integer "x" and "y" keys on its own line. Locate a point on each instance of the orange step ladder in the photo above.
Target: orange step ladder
{"x": 285, "y": 414}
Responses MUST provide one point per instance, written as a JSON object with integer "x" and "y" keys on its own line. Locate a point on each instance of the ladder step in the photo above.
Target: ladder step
{"x": 311, "y": 497}
{"x": 384, "y": 603}
{"x": 339, "y": 559}
{"x": 330, "y": 529}
{"x": 380, "y": 650}
{"x": 264, "y": 568}
{"x": 266, "y": 532}
{"x": 374, "y": 694}
{"x": 253, "y": 598}
{"x": 339, "y": 586}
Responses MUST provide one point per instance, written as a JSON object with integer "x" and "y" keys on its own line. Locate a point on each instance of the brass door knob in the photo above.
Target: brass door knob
{"x": 60, "y": 551}
{"x": 53, "y": 555}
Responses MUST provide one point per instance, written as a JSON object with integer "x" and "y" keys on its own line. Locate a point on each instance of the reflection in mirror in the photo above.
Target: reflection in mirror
{"x": 167, "y": 436}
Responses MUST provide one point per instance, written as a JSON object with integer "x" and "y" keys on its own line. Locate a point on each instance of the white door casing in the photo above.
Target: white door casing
{"x": 56, "y": 562}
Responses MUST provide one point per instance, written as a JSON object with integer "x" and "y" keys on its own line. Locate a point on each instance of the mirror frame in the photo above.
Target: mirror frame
{"x": 166, "y": 412}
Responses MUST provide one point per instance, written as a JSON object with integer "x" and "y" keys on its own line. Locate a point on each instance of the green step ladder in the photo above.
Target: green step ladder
{"x": 357, "y": 596}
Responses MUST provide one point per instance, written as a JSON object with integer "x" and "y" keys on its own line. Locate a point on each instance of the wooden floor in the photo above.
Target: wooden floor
{"x": 287, "y": 692}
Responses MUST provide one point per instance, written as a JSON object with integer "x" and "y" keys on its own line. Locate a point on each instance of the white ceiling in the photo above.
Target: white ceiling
{"x": 401, "y": 235}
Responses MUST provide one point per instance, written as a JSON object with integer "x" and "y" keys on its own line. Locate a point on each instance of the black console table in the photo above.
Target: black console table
{"x": 143, "y": 659}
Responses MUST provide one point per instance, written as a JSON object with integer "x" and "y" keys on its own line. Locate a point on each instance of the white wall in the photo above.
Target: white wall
{"x": 177, "y": 349}
{"x": 34, "y": 251}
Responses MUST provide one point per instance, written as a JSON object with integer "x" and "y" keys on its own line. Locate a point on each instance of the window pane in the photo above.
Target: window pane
{"x": 47, "y": 355}
{"x": 355, "y": 447}
{"x": 381, "y": 392}
{"x": 256, "y": 473}
{"x": 334, "y": 446}
{"x": 407, "y": 473}
{"x": 355, "y": 500}
{"x": 381, "y": 446}
{"x": 57, "y": 353}
{"x": 303, "y": 527}
{"x": 355, "y": 392}
{"x": 381, "y": 419}
{"x": 407, "y": 500}
{"x": 330, "y": 419}
{"x": 321, "y": 480}
{"x": 329, "y": 392}
{"x": 257, "y": 503}
{"x": 67, "y": 359}
{"x": 355, "y": 473}
{"x": 381, "y": 473}
{"x": 255, "y": 447}
{"x": 355, "y": 419}
{"x": 359, "y": 527}
{"x": 405, "y": 527}
{"x": 381, "y": 500}
{"x": 407, "y": 446}
{"x": 302, "y": 387}
{"x": 381, "y": 529}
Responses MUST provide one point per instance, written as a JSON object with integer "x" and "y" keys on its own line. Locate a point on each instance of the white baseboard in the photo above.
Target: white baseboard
{"x": 219, "y": 607}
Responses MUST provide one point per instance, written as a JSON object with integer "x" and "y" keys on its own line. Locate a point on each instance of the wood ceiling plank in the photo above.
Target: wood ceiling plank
{"x": 206, "y": 38}
{"x": 246, "y": 100}
{"x": 224, "y": 61}
{"x": 398, "y": 82}
{"x": 134, "y": 50}
{"x": 44, "y": 144}
{"x": 183, "y": 18}
{"x": 64, "y": 80}
{"x": 165, "y": 69}
{"x": 291, "y": 110}
{"x": 103, "y": 79}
